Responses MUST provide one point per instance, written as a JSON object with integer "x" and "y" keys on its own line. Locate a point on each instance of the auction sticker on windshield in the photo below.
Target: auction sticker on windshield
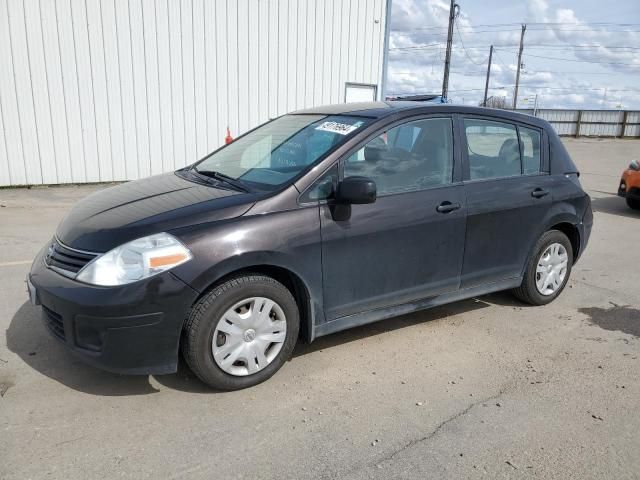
{"x": 341, "y": 128}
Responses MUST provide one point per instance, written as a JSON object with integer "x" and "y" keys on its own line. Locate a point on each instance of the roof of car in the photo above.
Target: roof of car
{"x": 369, "y": 109}
{"x": 383, "y": 109}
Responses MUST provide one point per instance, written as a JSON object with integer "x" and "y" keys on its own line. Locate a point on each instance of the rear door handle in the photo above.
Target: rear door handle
{"x": 446, "y": 207}
{"x": 539, "y": 193}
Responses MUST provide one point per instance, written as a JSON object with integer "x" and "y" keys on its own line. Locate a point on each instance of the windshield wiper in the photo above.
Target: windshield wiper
{"x": 237, "y": 184}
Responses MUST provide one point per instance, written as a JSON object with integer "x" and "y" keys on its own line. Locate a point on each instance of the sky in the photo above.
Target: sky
{"x": 577, "y": 54}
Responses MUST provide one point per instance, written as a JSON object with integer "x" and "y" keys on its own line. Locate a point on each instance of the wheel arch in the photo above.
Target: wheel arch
{"x": 564, "y": 222}
{"x": 564, "y": 218}
{"x": 290, "y": 279}
{"x": 572, "y": 233}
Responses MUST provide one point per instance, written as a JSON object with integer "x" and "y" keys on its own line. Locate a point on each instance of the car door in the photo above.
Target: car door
{"x": 409, "y": 243}
{"x": 508, "y": 194}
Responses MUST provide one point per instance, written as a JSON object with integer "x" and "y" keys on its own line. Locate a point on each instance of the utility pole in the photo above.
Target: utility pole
{"x": 515, "y": 92}
{"x": 486, "y": 85}
{"x": 453, "y": 9}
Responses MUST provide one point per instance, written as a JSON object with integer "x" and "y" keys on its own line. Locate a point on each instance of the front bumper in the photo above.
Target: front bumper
{"x": 629, "y": 186}
{"x": 633, "y": 192}
{"x": 133, "y": 329}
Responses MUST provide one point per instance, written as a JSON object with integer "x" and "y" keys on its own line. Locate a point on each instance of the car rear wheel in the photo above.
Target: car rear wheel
{"x": 241, "y": 332}
{"x": 633, "y": 203}
{"x": 548, "y": 269}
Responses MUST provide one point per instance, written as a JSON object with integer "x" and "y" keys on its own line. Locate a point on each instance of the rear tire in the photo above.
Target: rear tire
{"x": 545, "y": 276}
{"x": 633, "y": 203}
{"x": 222, "y": 346}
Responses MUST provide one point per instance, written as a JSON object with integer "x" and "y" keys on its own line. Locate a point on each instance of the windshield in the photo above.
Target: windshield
{"x": 277, "y": 151}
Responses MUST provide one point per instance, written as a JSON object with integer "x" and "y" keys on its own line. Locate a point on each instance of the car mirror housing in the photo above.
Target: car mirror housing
{"x": 356, "y": 190}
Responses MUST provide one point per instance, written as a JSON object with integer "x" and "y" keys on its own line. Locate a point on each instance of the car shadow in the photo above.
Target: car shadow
{"x": 389, "y": 325}
{"x": 613, "y": 205}
{"x": 27, "y": 337}
{"x": 505, "y": 299}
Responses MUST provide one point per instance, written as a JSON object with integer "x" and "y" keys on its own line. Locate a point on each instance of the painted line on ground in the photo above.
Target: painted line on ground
{"x": 19, "y": 262}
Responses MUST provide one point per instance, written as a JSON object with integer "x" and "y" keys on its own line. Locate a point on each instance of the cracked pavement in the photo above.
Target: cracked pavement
{"x": 483, "y": 388}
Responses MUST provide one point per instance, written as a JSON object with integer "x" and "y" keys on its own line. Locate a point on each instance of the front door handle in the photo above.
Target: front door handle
{"x": 446, "y": 207}
{"x": 539, "y": 193}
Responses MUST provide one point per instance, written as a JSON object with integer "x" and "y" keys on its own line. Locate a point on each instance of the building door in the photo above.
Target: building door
{"x": 360, "y": 92}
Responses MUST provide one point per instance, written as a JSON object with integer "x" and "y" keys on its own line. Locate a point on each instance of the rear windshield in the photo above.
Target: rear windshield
{"x": 278, "y": 151}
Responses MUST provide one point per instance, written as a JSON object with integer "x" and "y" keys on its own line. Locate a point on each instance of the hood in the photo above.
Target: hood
{"x": 116, "y": 215}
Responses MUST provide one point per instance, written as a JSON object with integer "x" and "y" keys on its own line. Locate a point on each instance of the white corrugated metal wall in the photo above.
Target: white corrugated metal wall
{"x": 103, "y": 90}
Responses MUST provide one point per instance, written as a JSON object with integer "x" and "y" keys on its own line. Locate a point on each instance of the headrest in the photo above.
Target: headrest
{"x": 374, "y": 150}
{"x": 509, "y": 147}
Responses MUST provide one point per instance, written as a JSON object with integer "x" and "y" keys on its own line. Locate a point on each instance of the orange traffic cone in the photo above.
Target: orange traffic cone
{"x": 228, "y": 139}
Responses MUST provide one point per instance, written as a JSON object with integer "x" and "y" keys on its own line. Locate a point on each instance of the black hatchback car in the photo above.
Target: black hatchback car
{"x": 314, "y": 222}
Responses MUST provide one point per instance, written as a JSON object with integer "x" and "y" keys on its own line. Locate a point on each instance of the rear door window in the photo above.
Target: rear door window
{"x": 493, "y": 149}
{"x": 530, "y": 143}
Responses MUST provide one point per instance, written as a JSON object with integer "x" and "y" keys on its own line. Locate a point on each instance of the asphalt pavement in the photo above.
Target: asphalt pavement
{"x": 483, "y": 388}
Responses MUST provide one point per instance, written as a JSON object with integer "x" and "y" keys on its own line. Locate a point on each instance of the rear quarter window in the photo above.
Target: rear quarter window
{"x": 530, "y": 141}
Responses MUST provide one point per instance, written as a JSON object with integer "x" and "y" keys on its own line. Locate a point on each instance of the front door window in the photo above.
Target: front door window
{"x": 412, "y": 156}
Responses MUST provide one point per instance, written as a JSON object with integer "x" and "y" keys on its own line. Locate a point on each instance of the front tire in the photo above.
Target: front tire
{"x": 633, "y": 203}
{"x": 548, "y": 269}
{"x": 241, "y": 332}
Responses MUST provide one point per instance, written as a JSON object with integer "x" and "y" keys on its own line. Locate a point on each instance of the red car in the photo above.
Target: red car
{"x": 630, "y": 185}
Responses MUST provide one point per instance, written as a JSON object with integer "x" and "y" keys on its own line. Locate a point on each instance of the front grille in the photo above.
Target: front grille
{"x": 65, "y": 259}
{"x": 54, "y": 322}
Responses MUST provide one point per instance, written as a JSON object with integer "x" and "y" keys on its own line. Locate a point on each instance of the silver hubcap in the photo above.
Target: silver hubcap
{"x": 249, "y": 336}
{"x": 551, "y": 269}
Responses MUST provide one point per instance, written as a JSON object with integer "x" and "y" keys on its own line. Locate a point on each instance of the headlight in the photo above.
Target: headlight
{"x": 138, "y": 259}
{"x": 634, "y": 165}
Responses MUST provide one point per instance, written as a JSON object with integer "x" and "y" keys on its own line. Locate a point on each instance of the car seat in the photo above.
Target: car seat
{"x": 508, "y": 159}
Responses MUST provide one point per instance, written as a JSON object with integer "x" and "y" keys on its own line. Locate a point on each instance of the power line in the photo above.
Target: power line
{"x": 579, "y": 61}
{"x": 418, "y": 47}
{"x": 582, "y": 89}
{"x": 507, "y": 45}
{"x": 572, "y": 72}
{"x": 540, "y": 28}
{"x": 596, "y": 62}
{"x": 583, "y": 24}
{"x": 561, "y": 47}
{"x": 608, "y": 47}
{"x": 500, "y": 60}
{"x": 597, "y": 27}
{"x": 465, "y": 50}
{"x": 536, "y": 87}
{"x": 474, "y": 32}
{"x": 477, "y": 73}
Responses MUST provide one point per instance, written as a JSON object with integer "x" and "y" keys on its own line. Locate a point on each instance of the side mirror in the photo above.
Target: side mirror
{"x": 356, "y": 190}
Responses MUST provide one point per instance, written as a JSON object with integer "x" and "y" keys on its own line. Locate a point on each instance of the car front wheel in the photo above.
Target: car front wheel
{"x": 241, "y": 332}
{"x": 548, "y": 269}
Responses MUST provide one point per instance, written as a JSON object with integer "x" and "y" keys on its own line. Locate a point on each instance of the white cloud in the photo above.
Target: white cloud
{"x": 578, "y": 78}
